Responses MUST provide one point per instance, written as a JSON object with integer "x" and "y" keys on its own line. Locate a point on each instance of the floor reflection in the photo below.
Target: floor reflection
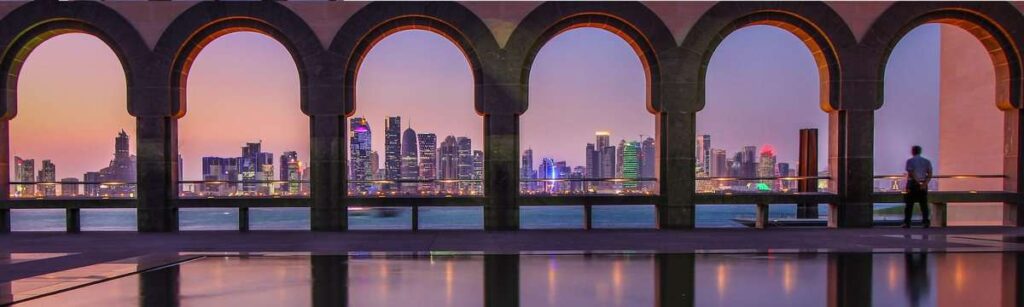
{"x": 913, "y": 279}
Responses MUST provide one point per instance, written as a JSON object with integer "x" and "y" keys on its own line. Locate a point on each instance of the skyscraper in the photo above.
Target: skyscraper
{"x": 374, "y": 167}
{"x": 749, "y": 162}
{"x": 766, "y": 164}
{"x": 648, "y": 159}
{"x": 478, "y": 171}
{"x": 255, "y": 166}
{"x": 465, "y": 162}
{"x": 719, "y": 163}
{"x": 630, "y": 164}
{"x": 448, "y": 165}
{"x": 393, "y": 148}
{"x": 619, "y": 155}
{"x": 360, "y": 148}
{"x": 602, "y": 139}
{"x": 428, "y": 155}
{"x": 24, "y": 171}
{"x": 69, "y": 187}
{"x": 48, "y": 174}
{"x": 526, "y": 170}
{"x": 703, "y": 154}
{"x": 291, "y": 171}
{"x": 410, "y": 160}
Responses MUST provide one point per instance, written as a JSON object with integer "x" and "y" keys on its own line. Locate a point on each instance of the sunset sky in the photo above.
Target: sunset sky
{"x": 762, "y": 88}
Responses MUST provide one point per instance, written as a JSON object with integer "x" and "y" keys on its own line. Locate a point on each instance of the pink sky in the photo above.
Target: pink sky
{"x": 762, "y": 88}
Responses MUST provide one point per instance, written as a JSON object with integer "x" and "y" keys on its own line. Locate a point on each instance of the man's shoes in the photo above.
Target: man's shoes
{"x": 905, "y": 225}
{"x": 926, "y": 224}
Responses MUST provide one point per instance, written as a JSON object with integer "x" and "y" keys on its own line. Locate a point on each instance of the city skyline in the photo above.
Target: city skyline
{"x": 43, "y": 141}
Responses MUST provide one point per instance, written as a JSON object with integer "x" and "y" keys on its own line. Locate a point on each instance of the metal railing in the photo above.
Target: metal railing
{"x": 588, "y": 187}
{"x": 242, "y": 188}
{"x": 72, "y": 190}
{"x": 416, "y": 188}
{"x": 761, "y": 185}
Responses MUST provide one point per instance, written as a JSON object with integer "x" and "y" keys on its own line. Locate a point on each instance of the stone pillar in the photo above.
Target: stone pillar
{"x": 849, "y": 280}
{"x": 330, "y": 280}
{"x": 5, "y": 174}
{"x": 157, "y": 181}
{"x": 1013, "y": 168}
{"x": 501, "y": 171}
{"x": 851, "y": 134}
{"x": 328, "y": 178}
{"x": 501, "y": 280}
{"x": 674, "y": 280}
{"x": 160, "y": 287}
{"x": 676, "y": 148}
{"x": 808, "y": 167}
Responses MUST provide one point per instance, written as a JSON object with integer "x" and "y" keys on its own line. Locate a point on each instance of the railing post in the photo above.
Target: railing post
{"x": 328, "y": 180}
{"x": 243, "y": 218}
{"x": 501, "y": 171}
{"x": 157, "y": 173}
{"x": 676, "y": 146}
{"x": 415, "y": 217}
{"x": 850, "y": 164}
{"x": 937, "y": 214}
{"x": 761, "y": 221}
{"x": 73, "y": 220}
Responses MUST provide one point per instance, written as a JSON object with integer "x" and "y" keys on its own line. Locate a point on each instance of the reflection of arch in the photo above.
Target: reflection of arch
{"x": 820, "y": 28}
{"x": 448, "y": 19}
{"x": 207, "y": 21}
{"x": 987, "y": 22}
{"x": 33, "y": 23}
{"x": 633, "y": 22}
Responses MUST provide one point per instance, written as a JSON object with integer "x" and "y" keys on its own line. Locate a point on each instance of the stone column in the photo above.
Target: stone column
{"x": 328, "y": 179}
{"x": 501, "y": 171}
{"x": 1013, "y": 215}
{"x": 674, "y": 279}
{"x": 676, "y": 148}
{"x": 851, "y": 137}
{"x": 5, "y": 174}
{"x": 157, "y": 186}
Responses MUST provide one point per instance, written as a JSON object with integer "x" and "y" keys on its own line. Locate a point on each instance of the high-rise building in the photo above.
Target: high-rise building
{"x": 92, "y": 188}
{"x": 766, "y": 164}
{"x": 719, "y": 163}
{"x": 25, "y": 171}
{"x": 478, "y": 171}
{"x": 608, "y": 162}
{"x": 374, "y": 168}
{"x": 547, "y": 170}
{"x": 393, "y": 148}
{"x": 69, "y": 187}
{"x": 48, "y": 174}
{"x": 619, "y": 155}
{"x": 255, "y": 166}
{"x": 410, "y": 160}
{"x": 648, "y": 159}
{"x": 630, "y": 164}
{"x": 465, "y": 162}
{"x": 749, "y": 162}
{"x": 291, "y": 172}
{"x": 526, "y": 170}
{"x": 783, "y": 170}
{"x": 121, "y": 169}
{"x": 602, "y": 139}
{"x": 428, "y": 155}
{"x": 448, "y": 164}
{"x": 703, "y": 154}
{"x": 360, "y": 148}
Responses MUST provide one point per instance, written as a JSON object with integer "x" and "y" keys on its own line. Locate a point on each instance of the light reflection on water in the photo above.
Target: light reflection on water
{"x": 954, "y": 279}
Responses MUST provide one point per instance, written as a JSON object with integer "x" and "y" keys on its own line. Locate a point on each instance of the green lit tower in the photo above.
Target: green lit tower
{"x": 630, "y": 164}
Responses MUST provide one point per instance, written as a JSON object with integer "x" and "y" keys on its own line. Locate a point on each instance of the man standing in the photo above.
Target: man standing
{"x": 919, "y": 173}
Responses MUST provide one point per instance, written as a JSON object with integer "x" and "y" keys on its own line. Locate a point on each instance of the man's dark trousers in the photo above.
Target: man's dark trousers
{"x": 916, "y": 193}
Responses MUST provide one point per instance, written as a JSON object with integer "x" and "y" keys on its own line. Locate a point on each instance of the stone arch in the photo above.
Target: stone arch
{"x": 991, "y": 23}
{"x": 203, "y": 23}
{"x": 378, "y": 20}
{"x": 816, "y": 24}
{"x": 637, "y": 25}
{"x": 33, "y": 23}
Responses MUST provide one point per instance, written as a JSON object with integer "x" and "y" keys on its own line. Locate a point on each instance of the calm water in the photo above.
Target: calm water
{"x": 430, "y": 218}
{"x": 968, "y": 279}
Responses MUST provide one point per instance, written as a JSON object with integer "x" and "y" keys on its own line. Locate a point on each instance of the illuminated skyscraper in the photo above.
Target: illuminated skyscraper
{"x": 703, "y": 155}
{"x": 48, "y": 174}
{"x": 428, "y": 155}
{"x": 465, "y": 162}
{"x": 526, "y": 170}
{"x": 630, "y": 164}
{"x": 92, "y": 188}
{"x": 619, "y": 155}
{"x": 374, "y": 168}
{"x": 648, "y": 158}
{"x": 360, "y": 147}
{"x": 602, "y": 138}
{"x": 749, "y": 162}
{"x": 393, "y": 148}
{"x": 766, "y": 164}
{"x": 478, "y": 171}
{"x": 291, "y": 171}
{"x": 24, "y": 171}
{"x": 719, "y": 163}
{"x": 410, "y": 160}
{"x": 448, "y": 165}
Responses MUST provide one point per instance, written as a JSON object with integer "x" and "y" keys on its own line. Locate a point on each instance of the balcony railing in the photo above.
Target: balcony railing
{"x": 589, "y": 186}
{"x": 951, "y": 183}
{"x": 762, "y": 185}
{"x": 407, "y": 188}
{"x": 72, "y": 190}
{"x": 243, "y": 188}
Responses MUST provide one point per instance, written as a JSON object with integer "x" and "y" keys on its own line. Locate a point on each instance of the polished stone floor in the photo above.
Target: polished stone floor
{"x": 216, "y": 267}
